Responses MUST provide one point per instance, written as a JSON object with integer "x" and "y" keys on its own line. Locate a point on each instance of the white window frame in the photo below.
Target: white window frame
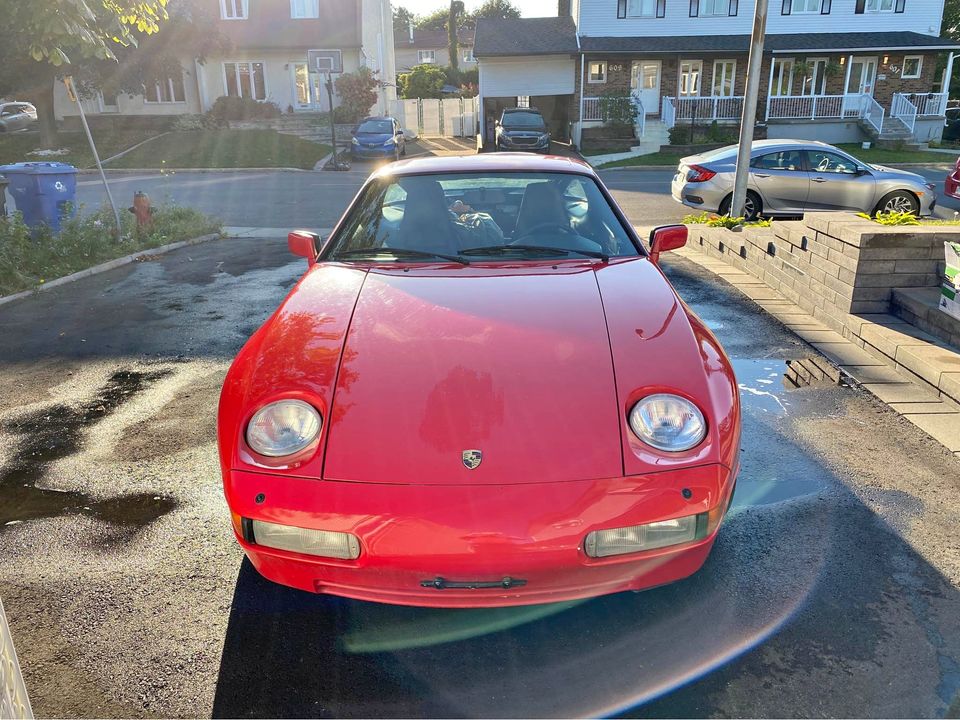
{"x": 243, "y": 5}
{"x": 878, "y": 6}
{"x": 724, "y": 64}
{"x": 602, "y": 64}
{"x": 786, "y": 75}
{"x": 816, "y": 74}
{"x": 523, "y": 101}
{"x": 311, "y": 9}
{"x": 423, "y": 54}
{"x": 468, "y": 55}
{"x": 236, "y": 69}
{"x": 805, "y": 11}
{"x": 635, "y": 8}
{"x": 173, "y": 95}
{"x": 903, "y": 72}
{"x": 698, "y": 64}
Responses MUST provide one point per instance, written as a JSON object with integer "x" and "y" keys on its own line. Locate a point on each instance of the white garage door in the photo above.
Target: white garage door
{"x": 513, "y": 77}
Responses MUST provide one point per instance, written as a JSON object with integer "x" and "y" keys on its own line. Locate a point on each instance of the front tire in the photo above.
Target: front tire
{"x": 898, "y": 201}
{"x": 752, "y": 206}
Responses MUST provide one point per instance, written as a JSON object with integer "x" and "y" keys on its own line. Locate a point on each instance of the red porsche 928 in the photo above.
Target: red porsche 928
{"x": 482, "y": 392}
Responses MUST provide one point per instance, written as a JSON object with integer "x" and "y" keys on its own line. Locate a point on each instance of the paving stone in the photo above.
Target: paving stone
{"x": 819, "y": 336}
{"x": 870, "y": 374}
{"x": 928, "y": 361}
{"x": 902, "y": 392}
{"x": 950, "y": 385}
{"x": 923, "y": 408}
{"x": 944, "y": 428}
{"x": 845, "y": 353}
{"x": 759, "y": 292}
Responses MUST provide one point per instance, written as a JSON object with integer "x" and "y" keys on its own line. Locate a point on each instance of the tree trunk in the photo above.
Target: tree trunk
{"x": 42, "y": 98}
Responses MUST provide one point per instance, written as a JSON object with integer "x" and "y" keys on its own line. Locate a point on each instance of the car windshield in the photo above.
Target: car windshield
{"x": 477, "y": 216}
{"x": 522, "y": 120}
{"x": 375, "y": 126}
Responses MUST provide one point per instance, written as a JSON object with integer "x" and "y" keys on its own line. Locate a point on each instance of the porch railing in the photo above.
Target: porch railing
{"x": 903, "y": 110}
{"x": 593, "y": 112}
{"x": 934, "y": 104}
{"x": 706, "y": 109}
{"x": 804, "y": 107}
{"x": 872, "y": 113}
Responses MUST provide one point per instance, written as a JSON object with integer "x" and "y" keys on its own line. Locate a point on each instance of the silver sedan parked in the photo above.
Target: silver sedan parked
{"x": 789, "y": 177}
{"x": 16, "y": 116}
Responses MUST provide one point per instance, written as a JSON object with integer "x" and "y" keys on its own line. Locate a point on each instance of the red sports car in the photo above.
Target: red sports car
{"x": 483, "y": 392}
{"x": 951, "y": 185}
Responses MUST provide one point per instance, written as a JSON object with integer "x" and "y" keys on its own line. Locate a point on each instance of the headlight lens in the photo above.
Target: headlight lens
{"x": 390, "y": 141}
{"x": 283, "y": 428}
{"x": 668, "y": 422}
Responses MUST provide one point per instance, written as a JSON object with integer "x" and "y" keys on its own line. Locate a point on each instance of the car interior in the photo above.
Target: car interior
{"x": 451, "y": 213}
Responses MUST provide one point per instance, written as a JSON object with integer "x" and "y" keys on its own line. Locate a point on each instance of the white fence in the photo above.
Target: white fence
{"x": 904, "y": 111}
{"x": 14, "y": 703}
{"x": 805, "y": 107}
{"x": 701, "y": 109}
{"x": 446, "y": 117}
{"x": 593, "y": 111}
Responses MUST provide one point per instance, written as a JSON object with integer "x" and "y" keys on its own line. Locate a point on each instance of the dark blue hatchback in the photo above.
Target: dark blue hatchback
{"x": 378, "y": 138}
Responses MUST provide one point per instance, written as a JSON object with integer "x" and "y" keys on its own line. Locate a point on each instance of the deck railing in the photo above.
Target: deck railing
{"x": 593, "y": 112}
{"x": 930, "y": 104}
{"x": 701, "y": 109}
{"x": 872, "y": 113}
{"x": 903, "y": 110}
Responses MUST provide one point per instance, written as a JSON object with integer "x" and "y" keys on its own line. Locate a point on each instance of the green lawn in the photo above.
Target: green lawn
{"x": 657, "y": 158}
{"x": 225, "y": 149}
{"x": 15, "y": 146}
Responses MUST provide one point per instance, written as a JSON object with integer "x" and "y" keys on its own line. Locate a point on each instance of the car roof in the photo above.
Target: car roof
{"x": 487, "y": 162}
{"x": 520, "y": 109}
{"x": 377, "y": 117}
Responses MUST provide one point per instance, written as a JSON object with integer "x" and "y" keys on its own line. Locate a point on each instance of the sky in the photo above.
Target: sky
{"x": 528, "y": 8}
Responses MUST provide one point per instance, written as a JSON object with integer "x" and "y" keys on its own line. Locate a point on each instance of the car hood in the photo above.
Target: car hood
{"x": 895, "y": 173}
{"x": 372, "y": 137}
{"x": 521, "y": 131}
{"x": 523, "y": 364}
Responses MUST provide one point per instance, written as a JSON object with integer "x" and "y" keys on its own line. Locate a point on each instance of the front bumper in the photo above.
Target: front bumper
{"x": 412, "y": 534}
{"x": 378, "y": 152}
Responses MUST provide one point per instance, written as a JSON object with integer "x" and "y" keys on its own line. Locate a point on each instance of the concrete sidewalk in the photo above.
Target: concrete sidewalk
{"x": 908, "y": 385}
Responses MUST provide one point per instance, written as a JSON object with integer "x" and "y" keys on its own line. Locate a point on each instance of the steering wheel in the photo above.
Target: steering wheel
{"x": 548, "y": 225}
{"x": 823, "y": 165}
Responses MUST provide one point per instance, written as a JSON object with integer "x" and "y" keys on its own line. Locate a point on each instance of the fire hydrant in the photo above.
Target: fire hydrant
{"x": 141, "y": 208}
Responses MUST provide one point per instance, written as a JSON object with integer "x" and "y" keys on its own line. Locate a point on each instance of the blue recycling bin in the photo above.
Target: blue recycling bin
{"x": 44, "y": 192}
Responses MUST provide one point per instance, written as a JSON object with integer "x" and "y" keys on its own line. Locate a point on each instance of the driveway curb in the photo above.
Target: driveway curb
{"x": 109, "y": 265}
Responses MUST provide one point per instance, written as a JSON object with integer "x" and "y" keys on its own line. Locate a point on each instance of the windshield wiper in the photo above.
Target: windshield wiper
{"x": 400, "y": 252}
{"x": 542, "y": 249}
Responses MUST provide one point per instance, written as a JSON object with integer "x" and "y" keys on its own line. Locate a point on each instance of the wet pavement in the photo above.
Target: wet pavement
{"x": 832, "y": 589}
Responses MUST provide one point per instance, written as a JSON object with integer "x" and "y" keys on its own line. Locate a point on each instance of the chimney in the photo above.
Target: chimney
{"x": 563, "y": 8}
{"x": 411, "y": 31}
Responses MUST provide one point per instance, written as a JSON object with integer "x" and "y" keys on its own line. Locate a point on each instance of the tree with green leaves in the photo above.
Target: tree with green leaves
{"x": 402, "y": 19}
{"x": 423, "y": 81}
{"x": 437, "y": 20}
{"x": 358, "y": 93}
{"x": 496, "y": 9}
{"x": 453, "y": 25}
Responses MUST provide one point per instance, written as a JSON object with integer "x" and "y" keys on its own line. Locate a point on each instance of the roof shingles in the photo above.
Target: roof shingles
{"x": 526, "y": 36}
{"x": 773, "y": 43}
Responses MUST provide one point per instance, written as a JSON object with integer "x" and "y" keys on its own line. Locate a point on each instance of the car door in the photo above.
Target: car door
{"x": 7, "y": 117}
{"x": 838, "y": 182}
{"x": 782, "y": 180}
{"x": 21, "y": 118}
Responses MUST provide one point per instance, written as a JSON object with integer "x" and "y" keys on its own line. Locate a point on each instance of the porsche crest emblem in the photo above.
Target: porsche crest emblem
{"x": 471, "y": 459}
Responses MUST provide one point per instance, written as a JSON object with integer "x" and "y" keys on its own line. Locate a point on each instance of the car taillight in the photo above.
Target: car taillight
{"x": 696, "y": 173}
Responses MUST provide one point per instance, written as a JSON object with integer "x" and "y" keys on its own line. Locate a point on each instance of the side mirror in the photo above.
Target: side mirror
{"x": 668, "y": 237}
{"x": 304, "y": 244}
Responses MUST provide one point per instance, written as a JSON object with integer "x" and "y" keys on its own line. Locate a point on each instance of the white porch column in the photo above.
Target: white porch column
{"x": 846, "y": 79}
{"x": 948, "y": 73}
{"x": 201, "y": 85}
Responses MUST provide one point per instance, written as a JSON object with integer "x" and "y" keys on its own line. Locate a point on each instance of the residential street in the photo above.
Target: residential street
{"x": 832, "y": 590}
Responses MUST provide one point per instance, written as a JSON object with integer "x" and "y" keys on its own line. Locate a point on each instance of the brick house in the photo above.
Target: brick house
{"x": 431, "y": 47}
{"x": 685, "y": 62}
{"x": 276, "y": 45}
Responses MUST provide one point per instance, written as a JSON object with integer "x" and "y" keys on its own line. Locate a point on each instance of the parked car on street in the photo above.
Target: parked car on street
{"x": 16, "y": 116}
{"x": 951, "y": 124}
{"x": 378, "y": 138}
{"x": 522, "y": 129}
{"x": 789, "y": 177}
{"x": 483, "y": 392}
{"x": 951, "y": 185}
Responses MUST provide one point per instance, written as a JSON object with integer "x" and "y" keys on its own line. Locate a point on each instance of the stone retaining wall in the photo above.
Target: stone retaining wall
{"x": 833, "y": 264}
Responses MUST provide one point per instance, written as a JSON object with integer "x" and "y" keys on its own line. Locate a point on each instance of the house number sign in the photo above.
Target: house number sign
{"x": 616, "y": 68}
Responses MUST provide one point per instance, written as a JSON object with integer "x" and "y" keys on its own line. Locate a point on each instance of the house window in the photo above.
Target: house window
{"x": 912, "y": 65}
{"x": 427, "y": 57}
{"x": 468, "y": 55}
{"x": 598, "y": 72}
{"x": 806, "y": 6}
{"x": 815, "y": 78}
{"x": 710, "y": 8}
{"x": 523, "y": 101}
{"x": 642, "y": 8}
{"x": 781, "y": 77}
{"x": 245, "y": 79}
{"x": 234, "y": 9}
{"x": 879, "y": 5}
{"x": 690, "y": 72}
{"x": 164, "y": 90}
{"x": 724, "y": 75}
{"x": 304, "y": 8}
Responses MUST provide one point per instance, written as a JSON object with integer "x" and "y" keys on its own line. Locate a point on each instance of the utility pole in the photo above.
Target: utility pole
{"x": 749, "y": 117}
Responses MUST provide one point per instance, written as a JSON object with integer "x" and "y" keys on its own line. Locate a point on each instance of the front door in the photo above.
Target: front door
{"x": 308, "y": 92}
{"x": 863, "y": 75}
{"x": 645, "y": 83}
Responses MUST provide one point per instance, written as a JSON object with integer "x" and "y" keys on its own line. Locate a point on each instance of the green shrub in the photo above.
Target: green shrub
{"x": 29, "y": 259}
{"x": 618, "y": 108}
{"x": 234, "y": 109}
{"x": 725, "y": 221}
{"x": 892, "y": 218}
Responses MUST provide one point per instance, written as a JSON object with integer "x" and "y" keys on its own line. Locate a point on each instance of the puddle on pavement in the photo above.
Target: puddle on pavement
{"x": 57, "y": 432}
{"x": 773, "y": 468}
